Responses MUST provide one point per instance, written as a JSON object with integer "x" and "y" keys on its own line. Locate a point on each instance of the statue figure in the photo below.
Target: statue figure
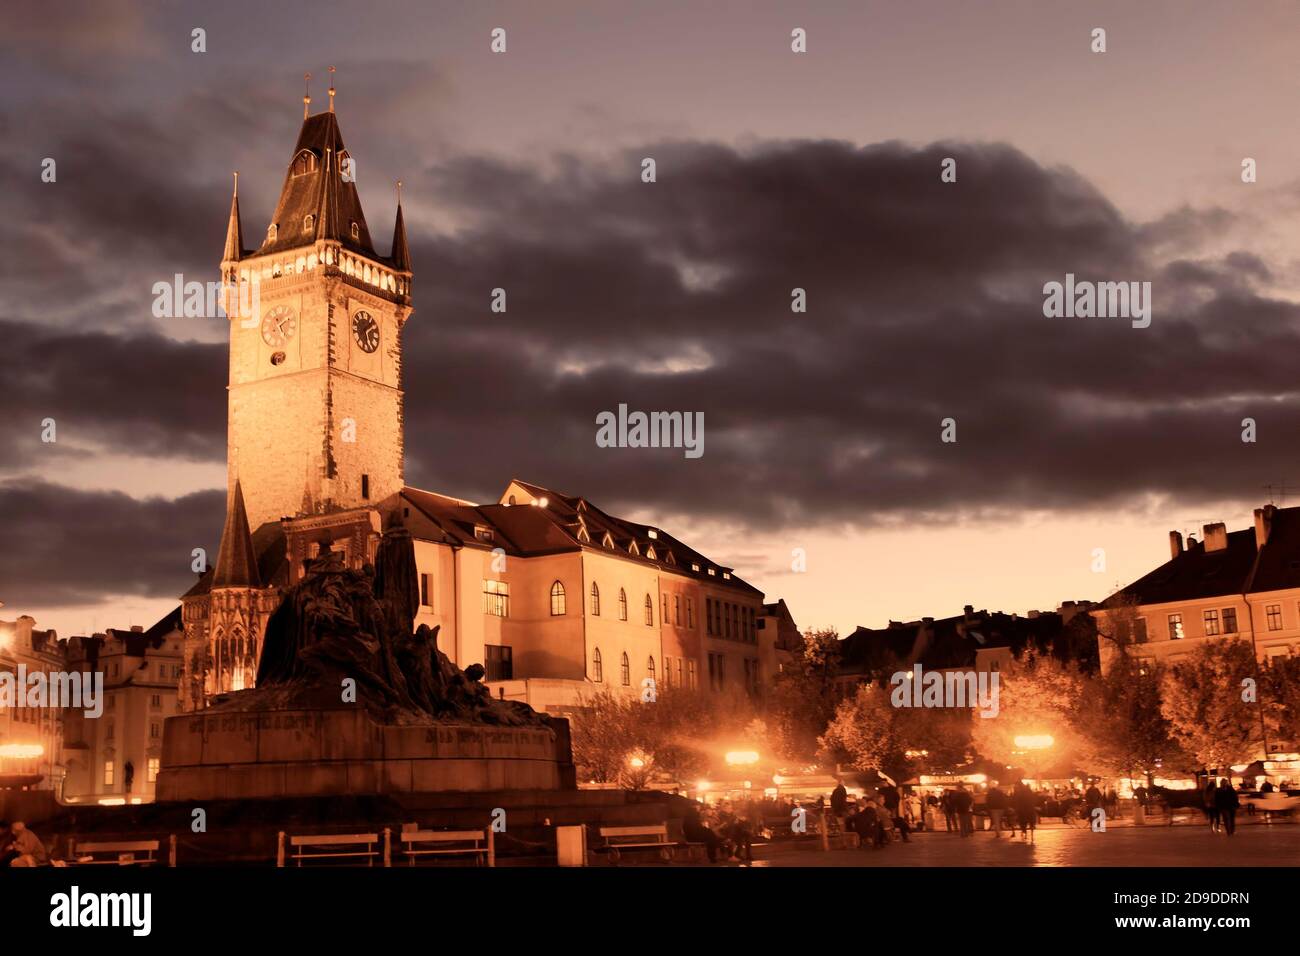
{"x": 338, "y": 623}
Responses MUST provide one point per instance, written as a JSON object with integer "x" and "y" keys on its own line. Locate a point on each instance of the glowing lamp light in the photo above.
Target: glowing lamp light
{"x": 635, "y": 762}
{"x": 1035, "y": 741}
{"x": 703, "y": 785}
{"x": 742, "y": 757}
{"x": 21, "y": 751}
{"x": 778, "y": 779}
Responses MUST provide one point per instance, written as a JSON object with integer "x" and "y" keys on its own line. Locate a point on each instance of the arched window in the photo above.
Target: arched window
{"x": 304, "y": 163}
{"x": 622, "y": 605}
{"x": 597, "y": 670}
{"x": 595, "y": 600}
{"x": 308, "y": 222}
{"x": 356, "y": 232}
{"x": 627, "y": 671}
{"x": 650, "y": 667}
{"x": 557, "y": 599}
{"x": 649, "y": 612}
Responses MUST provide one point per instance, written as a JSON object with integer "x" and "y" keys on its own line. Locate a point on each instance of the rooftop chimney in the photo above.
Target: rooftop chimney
{"x": 1215, "y": 537}
{"x": 1263, "y": 524}
{"x": 1175, "y": 543}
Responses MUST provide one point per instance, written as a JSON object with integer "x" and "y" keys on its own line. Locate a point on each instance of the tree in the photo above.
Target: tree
{"x": 1123, "y": 727}
{"x": 622, "y": 739}
{"x": 1120, "y": 622}
{"x": 1038, "y": 695}
{"x": 870, "y": 733}
{"x": 802, "y": 699}
{"x": 861, "y": 733}
{"x": 1210, "y": 699}
{"x": 1280, "y": 695}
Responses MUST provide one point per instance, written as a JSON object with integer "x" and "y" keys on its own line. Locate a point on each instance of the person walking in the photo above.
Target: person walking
{"x": 1226, "y": 802}
{"x": 949, "y": 812}
{"x": 840, "y": 802}
{"x": 1022, "y": 798}
{"x": 962, "y": 805}
{"x": 1210, "y": 806}
{"x": 997, "y": 807}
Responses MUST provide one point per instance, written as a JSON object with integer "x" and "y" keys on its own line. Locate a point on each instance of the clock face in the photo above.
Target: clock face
{"x": 366, "y": 331}
{"x": 278, "y": 326}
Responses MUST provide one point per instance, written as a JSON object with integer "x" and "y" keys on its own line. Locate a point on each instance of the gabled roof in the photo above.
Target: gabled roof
{"x": 322, "y": 193}
{"x": 631, "y": 539}
{"x": 165, "y": 625}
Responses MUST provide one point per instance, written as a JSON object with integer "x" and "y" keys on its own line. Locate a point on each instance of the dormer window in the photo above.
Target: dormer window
{"x": 271, "y": 231}
{"x": 607, "y": 541}
{"x": 482, "y": 533}
{"x": 650, "y": 553}
{"x": 308, "y": 223}
{"x": 356, "y": 232}
{"x": 713, "y": 573}
{"x": 651, "y": 532}
{"x": 633, "y": 549}
{"x": 304, "y": 163}
{"x": 695, "y": 568}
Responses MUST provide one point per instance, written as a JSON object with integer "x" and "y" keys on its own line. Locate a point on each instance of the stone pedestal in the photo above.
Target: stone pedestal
{"x": 316, "y": 752}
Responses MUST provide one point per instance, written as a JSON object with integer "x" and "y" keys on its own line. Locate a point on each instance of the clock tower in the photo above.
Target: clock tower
{"x": 316, "y": 316}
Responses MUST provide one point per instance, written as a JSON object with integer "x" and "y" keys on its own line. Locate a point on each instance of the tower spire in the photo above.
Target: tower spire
{"x": 306, "y": 96}
{"x": 401, "y": 253}
{"x": 234, "y": 233}
{"x": 236, "y": 561}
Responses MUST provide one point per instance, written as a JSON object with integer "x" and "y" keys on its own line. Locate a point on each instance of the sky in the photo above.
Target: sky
{"x": 775, "y": 170}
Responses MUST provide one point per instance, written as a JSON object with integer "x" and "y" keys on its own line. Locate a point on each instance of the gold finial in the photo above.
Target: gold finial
{"x": 399, "y": 192}
{"x": 306, "y": 98}
{"x": 236, "y": 183}
{"x": 331, "y": 89}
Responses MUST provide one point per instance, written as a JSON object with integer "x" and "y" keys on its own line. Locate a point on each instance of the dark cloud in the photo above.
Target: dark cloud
{"x": 925, "y": 302}
{"x": 66, "y": 547}
{"x": 117, "y": 393}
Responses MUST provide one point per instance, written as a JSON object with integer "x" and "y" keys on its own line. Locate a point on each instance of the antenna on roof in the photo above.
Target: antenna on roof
{"x": 306, "y": 95}
{"x": 331, "y": 89}
{"x": 1280, "y": 491}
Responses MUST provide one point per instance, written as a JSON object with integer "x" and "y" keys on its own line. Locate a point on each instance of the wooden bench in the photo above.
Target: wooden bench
{"x": 618, "y": 839}
{"x": 124, "y": 852}
{"x": 481, "y": 845}
{"x": 334, "y": 846}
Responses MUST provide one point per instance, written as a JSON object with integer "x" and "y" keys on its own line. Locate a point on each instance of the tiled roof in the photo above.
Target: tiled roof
{"x": 1239, "y": 568}
{"x": 571, "y": 514}
{"x": 948, "y": 642}
{"x": 321, "y": 193}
